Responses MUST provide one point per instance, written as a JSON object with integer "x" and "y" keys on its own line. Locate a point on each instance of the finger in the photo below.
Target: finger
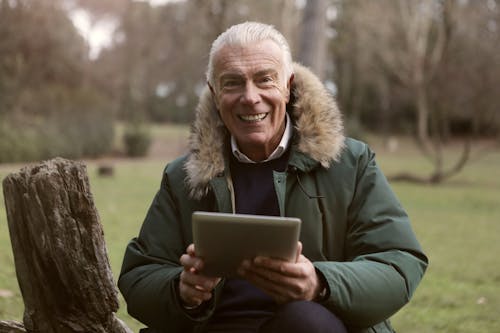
{"x": 194, "y": 287}
{"x": 279, "y": 266}
{"x": 192, "y": 296}
{"x": 299, "y": 251}
{"x": 277, "y": 290}
{"x": 295, "y": 286}
{"x": 199, "y": 281}
{"x": 190, "y": 262}
{"x": 191, "y": 250}
{"x": 278, "y": 280}
{"x": 266, "y": 278}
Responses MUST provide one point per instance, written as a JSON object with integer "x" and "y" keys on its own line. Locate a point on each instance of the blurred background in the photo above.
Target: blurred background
{"x": 70, "y": 70}
{"x": 116, "y": 82}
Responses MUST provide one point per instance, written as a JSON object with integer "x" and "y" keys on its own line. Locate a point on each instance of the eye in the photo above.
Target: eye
{"x": 266, "y": 79}
{"x": 231, "y": 83}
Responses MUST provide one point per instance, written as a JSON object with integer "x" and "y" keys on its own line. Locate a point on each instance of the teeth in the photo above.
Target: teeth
{"x": 253, "y": 117}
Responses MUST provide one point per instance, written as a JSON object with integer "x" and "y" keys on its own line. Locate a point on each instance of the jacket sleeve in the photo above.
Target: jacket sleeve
{"x": 384, "y": 261}
{"x": 151, "y": 269}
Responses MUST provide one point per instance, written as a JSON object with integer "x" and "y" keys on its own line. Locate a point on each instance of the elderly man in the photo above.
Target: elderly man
{"x": 268, "y": 140}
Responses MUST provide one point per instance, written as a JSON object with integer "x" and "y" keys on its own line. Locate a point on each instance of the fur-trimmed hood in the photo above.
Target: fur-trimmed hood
{"x": 315, "y": 115}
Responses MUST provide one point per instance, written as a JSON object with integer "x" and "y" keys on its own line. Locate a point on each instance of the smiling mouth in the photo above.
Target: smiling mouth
{"x": 253, "y": 118}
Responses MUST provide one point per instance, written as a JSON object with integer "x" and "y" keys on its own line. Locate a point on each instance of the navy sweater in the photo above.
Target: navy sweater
{"x": 241, "y": 303}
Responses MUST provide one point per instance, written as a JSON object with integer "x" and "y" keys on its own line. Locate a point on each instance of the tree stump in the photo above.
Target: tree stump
{"x": 11, "y": 327}
{"x": 60, "y": 256}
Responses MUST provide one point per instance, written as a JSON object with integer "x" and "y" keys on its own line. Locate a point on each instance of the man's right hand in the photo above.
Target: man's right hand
{"x": 194, "y": 287}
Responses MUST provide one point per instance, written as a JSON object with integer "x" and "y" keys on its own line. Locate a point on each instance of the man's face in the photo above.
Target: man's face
{"x": 251, "y": 93}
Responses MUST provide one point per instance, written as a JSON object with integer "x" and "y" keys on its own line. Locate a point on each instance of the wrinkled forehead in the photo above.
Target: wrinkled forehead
{"x": 255, "y": 56}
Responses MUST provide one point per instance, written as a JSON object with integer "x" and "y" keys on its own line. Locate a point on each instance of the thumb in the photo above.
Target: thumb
{"x": 190, "y": 250}
{"x": 299, "y": 251}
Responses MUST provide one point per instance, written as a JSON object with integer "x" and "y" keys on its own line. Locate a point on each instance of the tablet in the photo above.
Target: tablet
{"x": 225, "y": 240}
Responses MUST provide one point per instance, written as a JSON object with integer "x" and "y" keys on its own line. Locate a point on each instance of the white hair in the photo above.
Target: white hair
{"x": 247, "y": 33}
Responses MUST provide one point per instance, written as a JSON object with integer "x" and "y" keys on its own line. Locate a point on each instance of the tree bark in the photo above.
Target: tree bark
{"x": 59, "y": 252}
{"x": 11, "y": 327}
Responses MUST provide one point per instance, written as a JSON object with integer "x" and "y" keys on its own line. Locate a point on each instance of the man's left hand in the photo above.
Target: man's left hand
{"x": 285, "y": 281}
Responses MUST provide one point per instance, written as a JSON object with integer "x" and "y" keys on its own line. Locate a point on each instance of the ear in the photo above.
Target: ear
{"x": 289, "y": 87}
{"x": 214, "y": 96}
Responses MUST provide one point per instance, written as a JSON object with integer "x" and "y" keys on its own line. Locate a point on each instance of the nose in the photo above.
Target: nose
{"x": 250, "y": 95}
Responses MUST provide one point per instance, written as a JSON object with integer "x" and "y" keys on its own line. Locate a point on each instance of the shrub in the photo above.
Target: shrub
{"x": 70, "y": 135}
{"x": 137, "y": 140}
{"x": 18, "y": 145}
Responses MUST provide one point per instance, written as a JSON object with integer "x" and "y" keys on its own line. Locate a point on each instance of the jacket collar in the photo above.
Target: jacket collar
{"x": 317, "y": 124}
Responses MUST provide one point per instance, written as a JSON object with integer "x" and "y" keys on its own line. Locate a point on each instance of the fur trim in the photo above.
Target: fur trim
{"x": 206, "y": 146}
{"x": 317, "y": 119}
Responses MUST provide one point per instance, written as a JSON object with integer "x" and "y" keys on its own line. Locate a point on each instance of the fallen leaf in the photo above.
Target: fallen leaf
{"x": 6, "y": 293}
{"x": 482, "y": 300}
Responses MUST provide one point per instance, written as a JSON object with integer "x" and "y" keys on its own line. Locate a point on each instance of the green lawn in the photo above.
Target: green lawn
{"x": 458, "y": 224}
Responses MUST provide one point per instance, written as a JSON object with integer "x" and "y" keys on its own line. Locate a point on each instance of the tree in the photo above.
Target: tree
{"x": 408, "y": 54}
{"x": 39, "y": 47}
{"x": 155, "y": 68}
{"x": 313, "y": 41}
{"x": 47, "y": 107}
{"x": 423, "y": 31}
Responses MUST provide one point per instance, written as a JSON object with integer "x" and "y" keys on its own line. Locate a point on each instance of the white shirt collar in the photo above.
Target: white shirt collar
{"x": 277, "y": 153}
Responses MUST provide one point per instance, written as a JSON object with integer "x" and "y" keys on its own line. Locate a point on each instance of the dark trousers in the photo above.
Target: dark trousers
{"x": 303, "y": 317}
{"x": 294, "y": 317}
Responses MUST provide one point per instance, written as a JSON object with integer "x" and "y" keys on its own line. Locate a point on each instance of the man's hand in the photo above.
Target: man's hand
{"x": 283, "y": 280}
{"x": 194, "y": 287}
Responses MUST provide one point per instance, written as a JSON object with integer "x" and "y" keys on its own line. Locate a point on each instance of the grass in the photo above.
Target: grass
{"x": 458, "y": 224}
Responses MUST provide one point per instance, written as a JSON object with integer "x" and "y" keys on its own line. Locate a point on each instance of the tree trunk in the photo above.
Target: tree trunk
{"x": 313, "y": 38}
{"x": 439, "y": 174}
{"x": 422, "y": 116}
{"x": 61, "y": 262}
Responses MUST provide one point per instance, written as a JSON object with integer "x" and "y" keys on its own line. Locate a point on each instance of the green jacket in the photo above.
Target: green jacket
{"x": 357, "y": 234}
